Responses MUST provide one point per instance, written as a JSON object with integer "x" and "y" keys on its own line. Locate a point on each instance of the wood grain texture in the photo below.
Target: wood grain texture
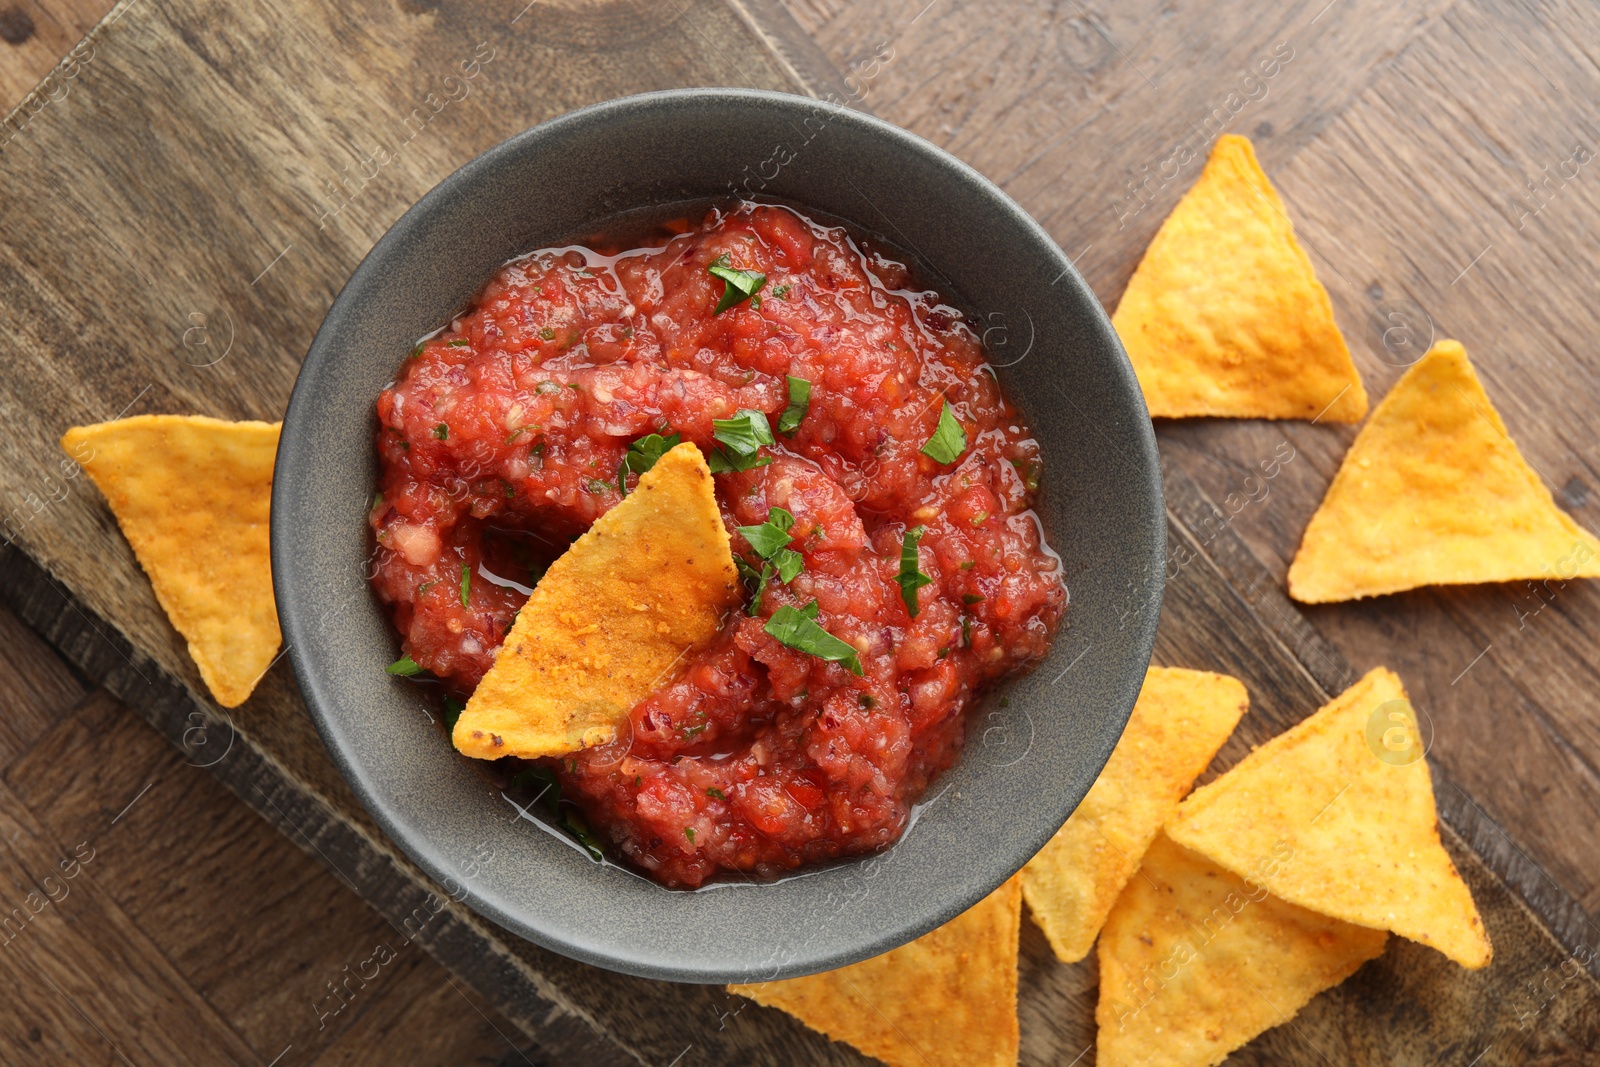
{"x": 36, "y": 41}
{"x": 246, "y": 159}
{"x": 244, "y": 930}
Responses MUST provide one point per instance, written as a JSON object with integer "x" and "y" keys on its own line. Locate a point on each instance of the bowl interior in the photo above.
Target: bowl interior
{"x": 1027, "y": 763}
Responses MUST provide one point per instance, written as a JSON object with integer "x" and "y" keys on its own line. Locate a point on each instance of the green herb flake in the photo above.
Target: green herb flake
{"x": 721, "y": 461}
{"x": 741, "y": 285}
{"x": 789, "y": 563}
{"x": 574, "y": 825}
{"x": 688, "y": 831}
{"x": 716, "y": 793}
{"x": 969, "y": 564}
{"x": 782, "y": 291}
{"x": 867, "y": 700}
{"x": 1029, "y": 472}
{"x": 547, "y": 334}
{"x": 910, "y": 577}
{"x": 745, "y": 433}
{"x": 949, "y": 440}
{"x": 970, "y": 599}
{"x": 405, "y": 667}
{"x": 452, "y": 711}
{"x": 461, "y": 343}
{"x": 441, "y": 432}
{"x": 417, "y": 351}
{"x": 798, "y": 629}
{"x": 772, "y": 535}
{"x": 966, "y": 631}
{"x": 642, "y": 455}
{"x": 466, "y": 583}
{"x": 799, "y": 404}
{"x": 596, "y": 486}
{"x": 980, "y": 518}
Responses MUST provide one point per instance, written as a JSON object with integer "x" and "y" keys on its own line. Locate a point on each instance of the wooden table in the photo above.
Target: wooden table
{"x": 191, "y": 185}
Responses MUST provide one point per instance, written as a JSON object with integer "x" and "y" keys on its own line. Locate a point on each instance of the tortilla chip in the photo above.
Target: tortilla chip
{"x": 949, "y": 997}
{"x": 1181, "y": 719}
{"x": 1224, "y": 315}
{"x": 1433, "y": 492}
{"x": 1322, "y": 818}
{"x": 1195, "y": 961}
{"x": 192, "y": 495}
{"x": 651, "y": 580}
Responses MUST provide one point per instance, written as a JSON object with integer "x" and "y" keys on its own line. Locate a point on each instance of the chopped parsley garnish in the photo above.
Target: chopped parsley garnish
{"x": 789, "y": 563}
{"x": 1029, "y": 472}
{"x": 741, "y": 285}
{"x": 966, "y": 631}
{"x": 688, "y": 831}
{"x": 746, "y": 432}
{"x": 799, "y": 404}
{"x": 417, "y": 351}
{"x": 867, "y": 700}
{"x": 910, "y": 577}
{"x": 452, "y": 711}
{"x": 461, "y": 343}
{"x": 771, "y": 535}
{"x": 549, "y": 792}
{"x": 466, "y": 583}
{"x": 405, "y": 667}
{"x": 970, "y": 599}
{"x": 425, "y": 586}
{"x": 596, "y": 486}
{"x": 721, "y": 461}
{"x": 547, "y": 334}
{"x": 949, "y": 440}
{"x": 757, "y": 581}
{"x": 642, "y": 455}
{"x": 442, "y": 432}
{"x": 770, "y": 541}
{"x": 742, "y": 437}
{"x": 782, "y": 291}
{"x": 573, "y": 824}
{"x": 969, "y": 564}
{"x": 715, "y": 792}
{"x": 798, "y": 629}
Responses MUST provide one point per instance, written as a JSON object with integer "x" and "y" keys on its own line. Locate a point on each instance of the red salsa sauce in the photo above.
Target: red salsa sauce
{"x": 501, "y": 442}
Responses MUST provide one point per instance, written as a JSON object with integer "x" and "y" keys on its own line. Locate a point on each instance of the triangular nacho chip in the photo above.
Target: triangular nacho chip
{"x": 1224, "y": 315}
{"x": 947, "y": 998}
{"x": 1195, "y": 961}
{"x": 1181, "y": 719}
{"x": 651, "y": 580}
{"x": 192, "y": 495}
{"x": 1433, "y": 492}
{"x": 1337, "y": 815}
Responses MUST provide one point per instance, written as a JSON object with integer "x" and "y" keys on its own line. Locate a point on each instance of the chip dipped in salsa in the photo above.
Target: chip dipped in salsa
{"x": 876, "y": 486}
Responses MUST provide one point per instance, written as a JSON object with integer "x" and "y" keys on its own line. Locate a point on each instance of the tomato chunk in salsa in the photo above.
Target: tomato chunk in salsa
{"x": 502, "y": 441}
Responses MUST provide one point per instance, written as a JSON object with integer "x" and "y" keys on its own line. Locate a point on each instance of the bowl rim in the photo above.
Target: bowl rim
{"x": 1140, "y": 633}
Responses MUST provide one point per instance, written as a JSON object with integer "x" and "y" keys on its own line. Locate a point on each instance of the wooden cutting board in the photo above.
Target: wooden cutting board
{"x": 174, "y": 224}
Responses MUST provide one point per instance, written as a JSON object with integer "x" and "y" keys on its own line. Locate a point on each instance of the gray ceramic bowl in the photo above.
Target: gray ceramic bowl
{"x": 1029, "y": 759}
